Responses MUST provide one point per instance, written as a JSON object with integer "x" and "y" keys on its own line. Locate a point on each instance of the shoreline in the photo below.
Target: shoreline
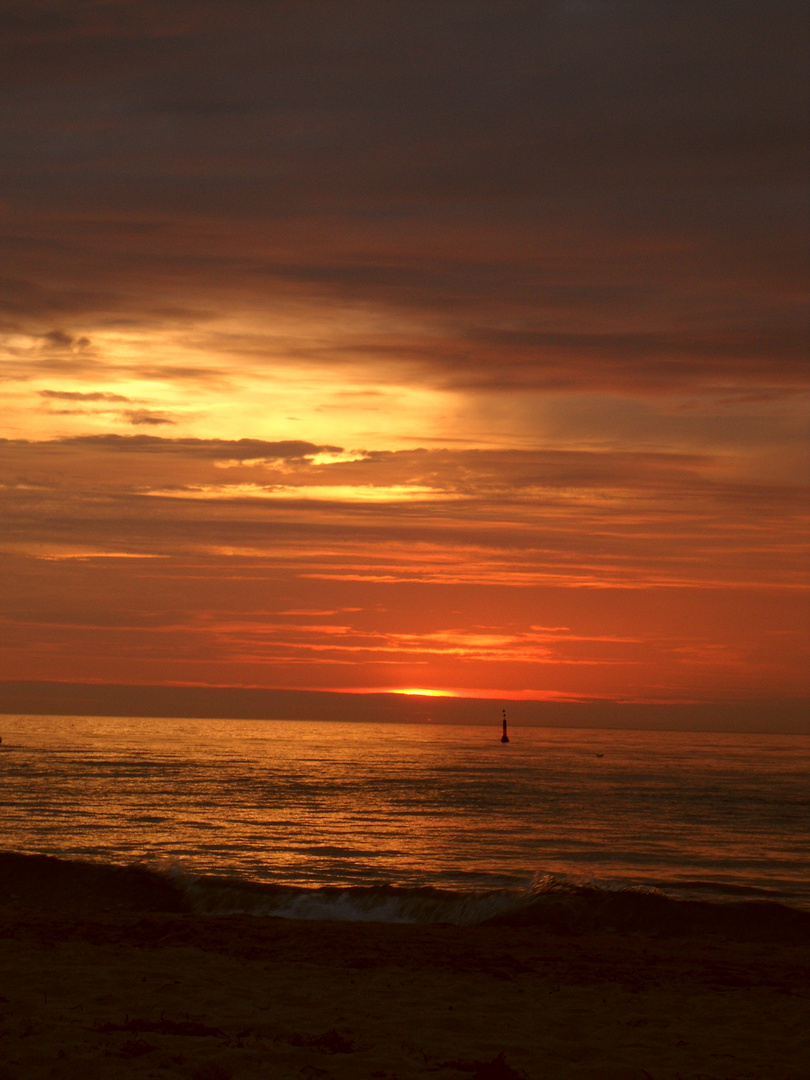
{"x": 49, "y": 883}
{"x": 231, "y": 997}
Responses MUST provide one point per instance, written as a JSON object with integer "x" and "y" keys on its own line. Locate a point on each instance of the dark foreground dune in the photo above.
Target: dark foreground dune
{"x": 93, "y": 994}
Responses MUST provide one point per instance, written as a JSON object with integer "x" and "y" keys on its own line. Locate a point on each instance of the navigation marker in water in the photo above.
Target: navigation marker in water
{"x": 504, "y": 737}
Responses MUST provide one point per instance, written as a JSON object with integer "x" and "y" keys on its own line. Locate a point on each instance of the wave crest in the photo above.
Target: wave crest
{"x": 551, "y": 903}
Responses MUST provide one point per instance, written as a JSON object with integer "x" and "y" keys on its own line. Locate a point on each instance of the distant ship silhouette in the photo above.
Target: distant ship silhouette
{"x": 504, "y": 737}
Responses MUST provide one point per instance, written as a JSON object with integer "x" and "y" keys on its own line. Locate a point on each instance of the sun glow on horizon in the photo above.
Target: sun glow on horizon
{"x": 418, "y": 692}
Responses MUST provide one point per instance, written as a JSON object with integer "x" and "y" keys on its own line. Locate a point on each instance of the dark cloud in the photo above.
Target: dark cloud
{"x": 59, "y": 341}
{"x": 147, "y": 416}
{"x": 220, "y": 449}
{"x": 77, "y": 395}
{"x": 526, "y": 176}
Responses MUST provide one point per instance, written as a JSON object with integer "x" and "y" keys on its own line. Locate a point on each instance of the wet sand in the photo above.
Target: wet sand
{"x": 210, "y": 998}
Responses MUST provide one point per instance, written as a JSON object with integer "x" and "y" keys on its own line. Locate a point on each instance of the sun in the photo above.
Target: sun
{"x": 418, "y": 692}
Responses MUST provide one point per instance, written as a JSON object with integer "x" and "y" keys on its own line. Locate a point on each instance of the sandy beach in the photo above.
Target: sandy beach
{"x": 95, "y": 995}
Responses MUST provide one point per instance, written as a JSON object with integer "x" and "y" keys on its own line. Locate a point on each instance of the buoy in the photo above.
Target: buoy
{"x": 504, "y": 737}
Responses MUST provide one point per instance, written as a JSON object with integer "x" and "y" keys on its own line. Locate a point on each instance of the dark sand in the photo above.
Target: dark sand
{"x": 175, "y": 995}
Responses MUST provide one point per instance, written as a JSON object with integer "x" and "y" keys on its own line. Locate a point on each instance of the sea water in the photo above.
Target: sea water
{"x": 383, "y": 820}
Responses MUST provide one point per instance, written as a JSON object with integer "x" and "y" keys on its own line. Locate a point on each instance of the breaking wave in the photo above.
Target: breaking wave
{"x": 43, "y": 882}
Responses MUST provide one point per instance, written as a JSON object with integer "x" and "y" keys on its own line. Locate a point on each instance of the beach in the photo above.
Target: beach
{"x": 160, "y": 994}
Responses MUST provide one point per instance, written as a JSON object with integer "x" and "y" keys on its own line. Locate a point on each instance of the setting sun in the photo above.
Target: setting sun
{"x": 424, "y": 693}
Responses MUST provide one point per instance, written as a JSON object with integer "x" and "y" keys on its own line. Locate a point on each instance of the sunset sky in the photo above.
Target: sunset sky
{"x": 443, "y": 344}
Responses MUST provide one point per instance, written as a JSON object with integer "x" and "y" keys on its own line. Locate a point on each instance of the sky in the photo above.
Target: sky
{"x": 447, "y": 345}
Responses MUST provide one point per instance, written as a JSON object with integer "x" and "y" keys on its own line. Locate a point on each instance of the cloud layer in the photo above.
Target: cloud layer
{"x": 558, "y": 573}
{"x": 463, "y": 318}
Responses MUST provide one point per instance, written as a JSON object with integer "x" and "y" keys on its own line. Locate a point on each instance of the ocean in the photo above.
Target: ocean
{"x": 401, "y": 822}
